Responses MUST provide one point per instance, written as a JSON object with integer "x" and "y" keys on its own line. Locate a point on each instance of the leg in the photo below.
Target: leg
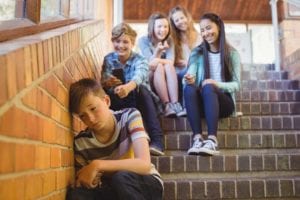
{"x": 148, "y": 111}
{"x": 80, "y": 194}
{"x": 172, "y": 82}
{"x": 160, "y": 83}
{"x": 129, "y": 185}
{"x": 180, "y": 74}
{"x": 216, "y": 104}
{"x": 193, "y": 107}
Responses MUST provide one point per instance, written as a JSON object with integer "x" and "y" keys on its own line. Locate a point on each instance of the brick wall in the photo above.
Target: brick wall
{"x": 36, "y": 135}
{"x": 290, "y": 50}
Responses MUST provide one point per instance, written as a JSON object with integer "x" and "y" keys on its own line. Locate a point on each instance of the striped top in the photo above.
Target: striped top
{"x": 215, "y": 66}
{"x": 128, "y": 127}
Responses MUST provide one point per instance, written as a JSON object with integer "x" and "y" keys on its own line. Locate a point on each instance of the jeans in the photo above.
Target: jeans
{"x": 209, "y": 103}
{"x": 122, "y": 185}
{"x": 141, "y": 99}
{"x": 180, "y": 74}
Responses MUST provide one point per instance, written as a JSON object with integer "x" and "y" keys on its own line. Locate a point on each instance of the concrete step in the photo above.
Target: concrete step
{"x": 245, "y": 95}
{"x": 181, "y": 141}
{"x": 286, "y": 187}
{"x": 253, "y": 122}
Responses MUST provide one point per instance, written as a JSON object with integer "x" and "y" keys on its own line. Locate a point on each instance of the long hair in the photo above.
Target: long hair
{"x": 224, "y": 48}
{"x": 151, "y": 23}
{"x": 191, "y": 32}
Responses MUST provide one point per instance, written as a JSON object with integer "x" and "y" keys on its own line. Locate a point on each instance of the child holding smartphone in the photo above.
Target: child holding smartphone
{"x": 134, "y": 90}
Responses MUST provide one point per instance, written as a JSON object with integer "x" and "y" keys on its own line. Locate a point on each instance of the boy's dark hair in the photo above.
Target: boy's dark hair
{"x": 82, "y": 88}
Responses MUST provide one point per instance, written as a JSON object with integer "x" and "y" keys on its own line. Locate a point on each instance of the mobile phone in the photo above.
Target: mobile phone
{"x": 119, "y": 74}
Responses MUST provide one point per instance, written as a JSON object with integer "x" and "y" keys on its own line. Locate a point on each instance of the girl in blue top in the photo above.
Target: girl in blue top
{"x": 158, "y": 49}
{"x": 211, "y": 81}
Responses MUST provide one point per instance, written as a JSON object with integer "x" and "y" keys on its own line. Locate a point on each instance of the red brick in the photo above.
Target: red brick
{"x": 30, "y": 99}
{"x": 12, "y": 74}
{"x": 3, "y": 81}
{"x": 45, "y": 57}
{"x": 50, "y": 54}
{"x": 34, "y": 61}
{"x": 42, "y": 155}
{"x": 7, "y": 125}
{"x": 33, "y": 186}
{"x": 49, "y": 133}
{"x": 7, "y": 155}
{"x": 27, "y": 66}
{"x": 25, "y": 155}
{"x": 49, "y": 182}
{"x": 12, "y": 188}
{"x": 55, "y": 156}
{"x": 40, "y": 59}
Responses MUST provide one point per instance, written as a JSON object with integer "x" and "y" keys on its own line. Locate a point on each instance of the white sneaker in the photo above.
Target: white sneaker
{"x": 180, "y": 112}
{"x": 169, "y": 111}
{"x": 209, "y": 148}
{"x": 197, "y": 144}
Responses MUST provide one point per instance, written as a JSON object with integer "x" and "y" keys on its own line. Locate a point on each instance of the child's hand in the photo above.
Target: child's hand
{"x": 209, "y": 81}
{"x": 111, "y": 81}
{"x": 189, "y": 78}
{"x": 87, "y": 176}
{"x": 122, "y": 91}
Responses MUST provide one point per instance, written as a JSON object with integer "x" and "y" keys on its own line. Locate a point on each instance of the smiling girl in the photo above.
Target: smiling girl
{"x": 125, "y": 78}
{"x": 211, "y": 81}
{"x": 157, "y": 47}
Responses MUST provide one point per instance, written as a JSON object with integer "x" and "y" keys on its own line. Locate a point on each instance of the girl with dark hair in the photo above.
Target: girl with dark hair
{"x": 157, "y": 47}
{"x": 211, "y": 81}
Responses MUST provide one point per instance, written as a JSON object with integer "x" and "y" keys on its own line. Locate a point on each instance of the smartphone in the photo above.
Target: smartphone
{"x": 119, "y": 74}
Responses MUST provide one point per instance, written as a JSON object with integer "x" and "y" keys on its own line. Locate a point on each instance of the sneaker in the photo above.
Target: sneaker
{"x": 156, "y": 151}
{"x": 197, "y": 144}
{"x": 169, "y": 111}
{"x": 180, "y": 112}
{"x": 209, "y": 148}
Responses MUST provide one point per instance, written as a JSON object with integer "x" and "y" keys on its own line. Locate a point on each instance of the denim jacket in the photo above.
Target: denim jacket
{"x": 136, "y": 68}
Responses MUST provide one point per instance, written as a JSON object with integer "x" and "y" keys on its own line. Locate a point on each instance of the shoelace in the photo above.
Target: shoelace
{"x": 209, "y": 144}
{"x": 197, "y": 143}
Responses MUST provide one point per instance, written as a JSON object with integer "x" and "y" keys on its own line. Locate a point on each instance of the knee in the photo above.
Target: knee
{"x": 208, "y": 89}
{"x": 121, "y": 178}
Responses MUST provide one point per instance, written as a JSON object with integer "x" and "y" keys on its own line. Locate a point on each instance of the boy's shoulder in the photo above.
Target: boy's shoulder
{"x": 84, "y": 134}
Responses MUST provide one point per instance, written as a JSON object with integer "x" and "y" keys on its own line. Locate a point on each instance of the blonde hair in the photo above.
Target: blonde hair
{"x": 192, "y": 33}
{"x": 123, "y": 28}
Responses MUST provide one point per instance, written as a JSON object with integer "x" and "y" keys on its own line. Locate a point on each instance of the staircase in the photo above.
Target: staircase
{"x": 260, "y": 157}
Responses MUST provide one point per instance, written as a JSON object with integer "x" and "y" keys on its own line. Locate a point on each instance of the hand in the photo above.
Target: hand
{"x": 189, "y": 78}
{"x": 88, "y": 176}
{"x": 209, "y": 81}
{"x": 122, "y": 91}
{"x": 111, "y": 81}
{"x": 181, "y": 64}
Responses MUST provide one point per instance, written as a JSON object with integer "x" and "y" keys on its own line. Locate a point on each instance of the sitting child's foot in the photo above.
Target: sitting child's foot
{"x": 209, "y": 148}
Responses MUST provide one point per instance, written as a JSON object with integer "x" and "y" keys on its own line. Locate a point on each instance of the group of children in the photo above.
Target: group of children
{"x": 186, "y": 72}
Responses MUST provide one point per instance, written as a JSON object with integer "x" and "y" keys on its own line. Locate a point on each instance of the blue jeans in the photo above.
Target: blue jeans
{"x": 122, "y": 185}
{"x": 141, "y": 99}
{"x": 209, "y": 103}
{"x": 180, "y": 73}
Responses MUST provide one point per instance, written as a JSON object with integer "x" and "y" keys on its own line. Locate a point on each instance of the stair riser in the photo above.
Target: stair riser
{"x": 264, "y": 75}
{"x": 232, "y": 189}
{"x": 182, "y": 142}
{"x": 268, "y": 96}
{"x": 226, "y": 164}
{"x": 270, "y": 85}
{"x": 239, "y": 123}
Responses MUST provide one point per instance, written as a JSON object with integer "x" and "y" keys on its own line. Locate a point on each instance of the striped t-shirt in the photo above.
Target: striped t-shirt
{"x": 128, "y": 127}
{"x": 215, "y": 66}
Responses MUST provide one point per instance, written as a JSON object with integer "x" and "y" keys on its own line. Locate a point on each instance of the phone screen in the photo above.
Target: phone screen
{"x": 118, "y": 73}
